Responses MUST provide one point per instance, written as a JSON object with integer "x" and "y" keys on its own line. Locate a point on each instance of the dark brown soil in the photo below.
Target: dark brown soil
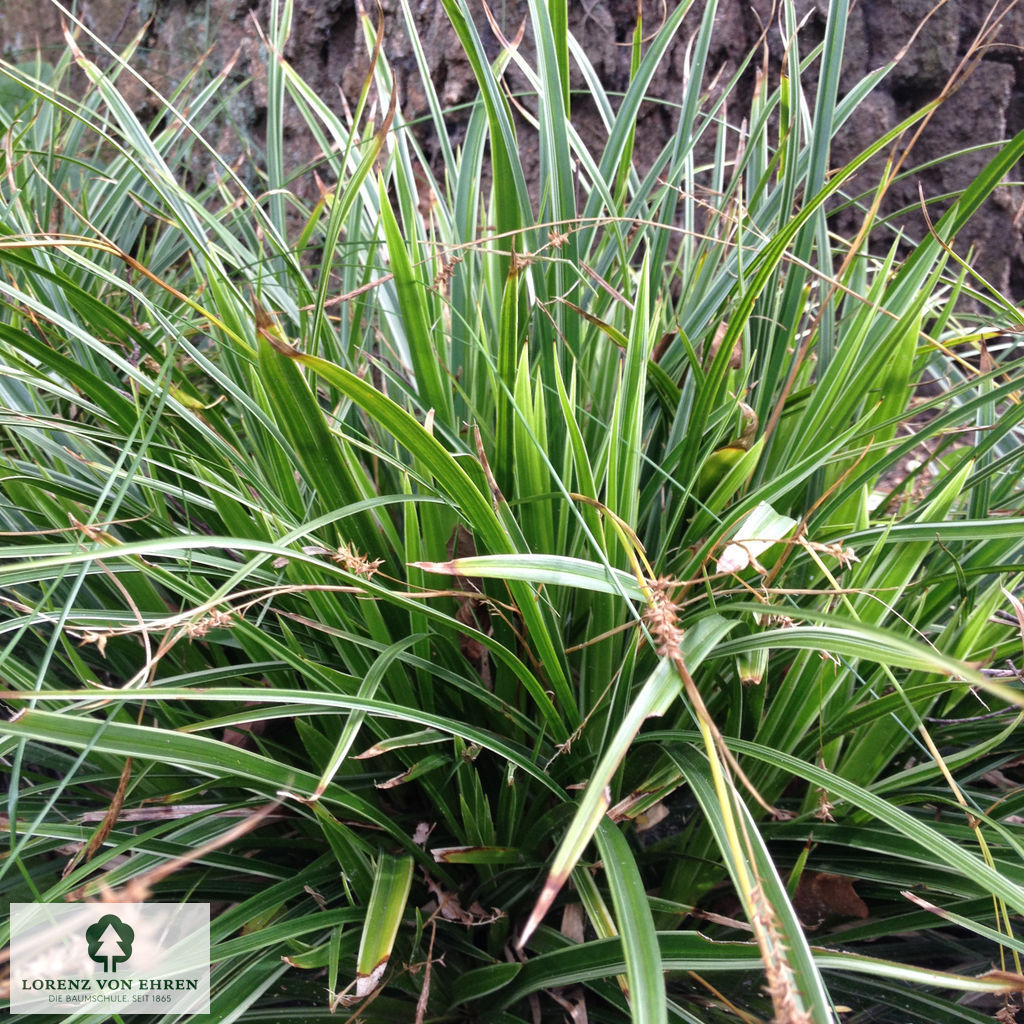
{"x": 327, "y": 48}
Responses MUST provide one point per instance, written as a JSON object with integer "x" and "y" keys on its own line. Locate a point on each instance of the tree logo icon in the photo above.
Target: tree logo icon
{"x": 110, "y": 942}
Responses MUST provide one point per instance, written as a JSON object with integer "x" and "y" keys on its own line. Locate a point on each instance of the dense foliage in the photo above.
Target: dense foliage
{"x": 499, "y": 596}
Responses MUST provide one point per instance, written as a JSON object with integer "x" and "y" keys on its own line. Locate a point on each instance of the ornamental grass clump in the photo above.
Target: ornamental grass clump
{"x": 523, "y": 603}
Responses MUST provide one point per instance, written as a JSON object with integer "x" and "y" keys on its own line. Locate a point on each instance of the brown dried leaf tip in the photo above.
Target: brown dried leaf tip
{"x": 520, "y": 261}
{"x": 662, "y": 618}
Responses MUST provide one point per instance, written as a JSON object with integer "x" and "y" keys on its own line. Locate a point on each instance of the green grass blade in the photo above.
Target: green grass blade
{"x": 392, "y": 882}
{"x": 640, "y": 950}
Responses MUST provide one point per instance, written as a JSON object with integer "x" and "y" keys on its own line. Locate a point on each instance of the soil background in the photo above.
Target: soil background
{"x": 328, "y": 49}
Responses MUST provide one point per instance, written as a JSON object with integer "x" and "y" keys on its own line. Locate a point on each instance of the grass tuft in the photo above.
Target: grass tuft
{"x": 494, "y": 595}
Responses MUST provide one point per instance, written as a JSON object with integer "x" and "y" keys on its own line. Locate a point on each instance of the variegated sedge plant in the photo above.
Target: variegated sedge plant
{"x": 382, "y": 572}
